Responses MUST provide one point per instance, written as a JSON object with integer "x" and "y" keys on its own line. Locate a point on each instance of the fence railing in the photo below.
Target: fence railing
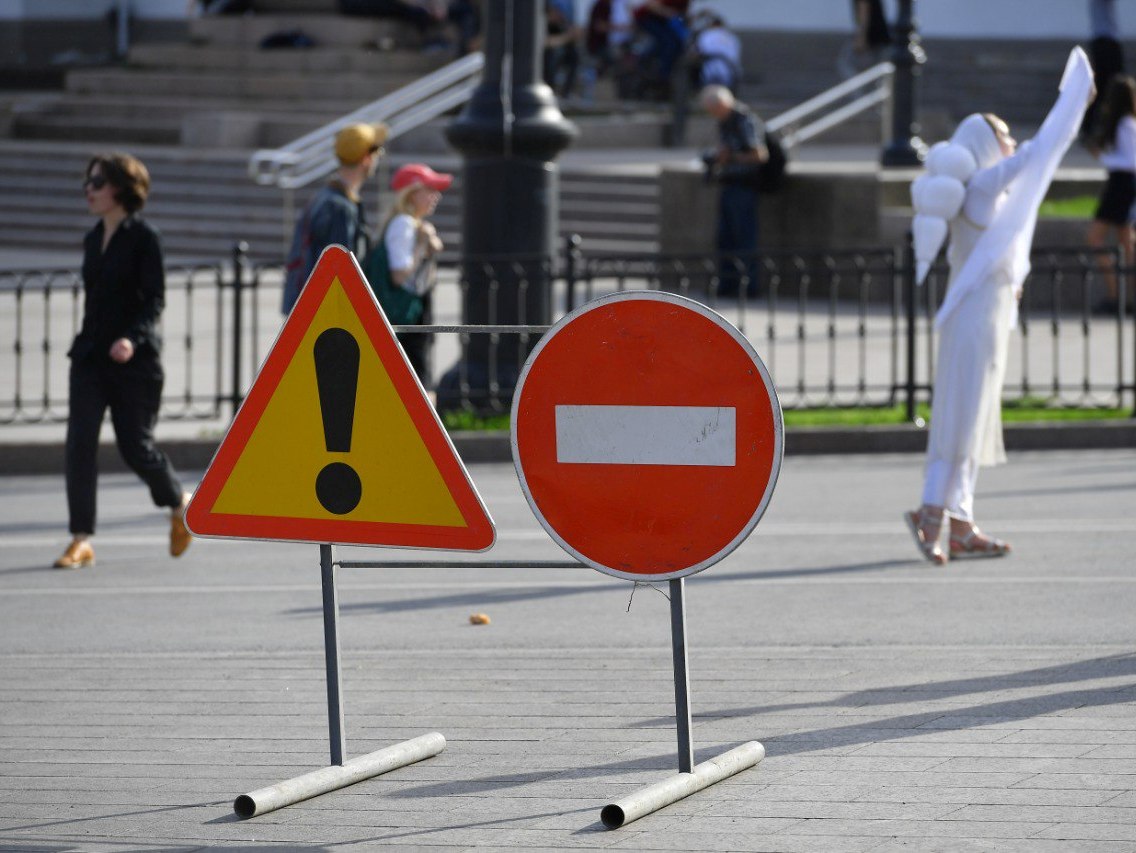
{"x": 836, "y": 328}
{"x": 40, "y": 314}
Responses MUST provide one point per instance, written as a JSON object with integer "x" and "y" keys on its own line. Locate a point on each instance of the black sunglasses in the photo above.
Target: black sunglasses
{"x": 95, "y": 182}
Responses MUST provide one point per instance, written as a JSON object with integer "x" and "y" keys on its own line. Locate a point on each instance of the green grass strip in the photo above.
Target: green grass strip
{"x": 1017, "y": 411}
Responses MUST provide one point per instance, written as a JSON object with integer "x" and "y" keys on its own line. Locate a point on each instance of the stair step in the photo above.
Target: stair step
{"x": 91, "y": 128}
{"x": 326, "y": 30}
{"x": 347, "y": 85}
{"x": 127, "y": 106}
{"x": 277, "y": 6}
{"x": 316, "y": 60}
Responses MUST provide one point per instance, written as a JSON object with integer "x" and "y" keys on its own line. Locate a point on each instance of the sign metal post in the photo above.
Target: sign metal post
{"x": 331, "y": 655}
{"x": 647, "y": 437}
{"x": 337, "y": 398}
{"x": 681, "y": 676}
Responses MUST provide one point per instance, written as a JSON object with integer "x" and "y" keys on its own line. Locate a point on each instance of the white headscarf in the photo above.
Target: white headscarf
{"x": 977, "y": 136}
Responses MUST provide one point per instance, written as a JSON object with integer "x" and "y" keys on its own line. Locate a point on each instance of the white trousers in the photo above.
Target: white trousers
{"x": 951, "y": 485}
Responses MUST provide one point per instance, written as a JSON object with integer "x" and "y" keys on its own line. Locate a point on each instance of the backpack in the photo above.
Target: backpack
{"x": 767, "y": 177}
{"x": 771, "y": 174}
{"x": 402, "y": 307}
{"x": 295, "y": 274}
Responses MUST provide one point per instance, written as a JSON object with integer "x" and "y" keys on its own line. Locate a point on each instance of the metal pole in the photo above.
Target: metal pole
{"x": 907, "y": 271}
{"x": 680, "y": 105}
{"x": 571, "y": 256}
{"x": 681, "y": 676}
{"x": 905, "y": 148}
{"x": 509, "y": 135}
{"x": 239, "y": 251}
{"x": 331, "y": 654}
{"x": 122, "y": 29}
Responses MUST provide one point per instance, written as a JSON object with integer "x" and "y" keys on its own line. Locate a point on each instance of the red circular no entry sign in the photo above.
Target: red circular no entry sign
{"x": 647, "y": 435}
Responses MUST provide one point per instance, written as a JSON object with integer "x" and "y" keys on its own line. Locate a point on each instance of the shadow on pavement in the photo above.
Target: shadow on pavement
{"x": 509, "y": 596}
{"x": 663, "y": 763}
{"x": 943, "y": 719}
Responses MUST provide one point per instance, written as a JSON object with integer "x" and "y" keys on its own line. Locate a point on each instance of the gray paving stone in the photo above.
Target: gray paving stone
{"x": 975, "y": 708}
{"x": 1095, "y": 831}
{"x": 1001, "y": 845}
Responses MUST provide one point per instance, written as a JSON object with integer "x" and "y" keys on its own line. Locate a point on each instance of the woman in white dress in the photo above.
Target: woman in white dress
{"x": 988, "y": 190}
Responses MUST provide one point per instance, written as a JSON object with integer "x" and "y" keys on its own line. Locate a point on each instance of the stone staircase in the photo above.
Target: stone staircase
{"x": 203, "y": 201}
{"x": 219, "y": 88}
{"x": 195, "y": 110}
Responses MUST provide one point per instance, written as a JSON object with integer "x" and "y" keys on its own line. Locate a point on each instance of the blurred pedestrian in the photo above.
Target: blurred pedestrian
{"x": 335, "y": 215}
{"x": 1106, "y": 54}
{"x": 606, "y": 40}
{"x": 735, "y": 165}
{"x": 403, "y": 268}
{"x": 718, "y": 52}
{"x": 871, "y": 38}
{"x": 116, "y": 357}
{"x": 1114, "y": 142}
{"x": 664, "y": 21}
{"x": 425, "y": 16}
{"x": 561, "y": 48}
{"x": 989, "y": 193}
{"x": 465, "y": 15}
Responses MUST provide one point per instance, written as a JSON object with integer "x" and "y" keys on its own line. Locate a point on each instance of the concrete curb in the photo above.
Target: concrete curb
{"x": 474, "y": 447}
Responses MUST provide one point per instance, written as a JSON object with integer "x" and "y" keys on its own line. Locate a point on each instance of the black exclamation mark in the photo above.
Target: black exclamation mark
{"x": 336, "y": 352}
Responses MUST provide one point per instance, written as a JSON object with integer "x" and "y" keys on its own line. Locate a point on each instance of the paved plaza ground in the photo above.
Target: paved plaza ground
{"x": 985, "y": 706}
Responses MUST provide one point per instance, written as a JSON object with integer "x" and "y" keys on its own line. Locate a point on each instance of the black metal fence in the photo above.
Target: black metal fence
{"x": 40, "y": 314}
{"x": 835, "y": 328}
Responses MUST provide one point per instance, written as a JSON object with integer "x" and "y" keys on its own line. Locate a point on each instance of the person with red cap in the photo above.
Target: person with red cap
{"x": 410, "y": 245}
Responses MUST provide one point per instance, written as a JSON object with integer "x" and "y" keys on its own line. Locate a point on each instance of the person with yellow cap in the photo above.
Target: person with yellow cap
{"x": 335, "y": 214}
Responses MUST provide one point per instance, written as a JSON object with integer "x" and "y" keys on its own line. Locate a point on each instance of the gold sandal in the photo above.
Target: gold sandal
{"x": 975, "y": 544}
{"x": 78, "y": 554}
{"x": 929, "y": 546}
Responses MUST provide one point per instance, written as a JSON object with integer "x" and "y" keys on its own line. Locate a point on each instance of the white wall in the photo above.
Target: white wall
{"x": 1067, "y": 19}
{"x": 79, "y": 10}
{"x": 1062, "y": 19}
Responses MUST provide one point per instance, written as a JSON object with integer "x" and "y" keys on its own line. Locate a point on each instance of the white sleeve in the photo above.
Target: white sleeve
{"x": 399, "y": 239}
{"x": 983, "y": 190}
{"x": 1126, "y": 143}
{"x": 1007, "y": 240}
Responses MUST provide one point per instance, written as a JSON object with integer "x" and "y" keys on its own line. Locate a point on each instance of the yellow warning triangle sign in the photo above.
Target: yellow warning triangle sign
{"x": 336, "y": 441}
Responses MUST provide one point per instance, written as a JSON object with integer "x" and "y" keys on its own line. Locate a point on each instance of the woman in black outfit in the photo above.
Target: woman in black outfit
{"x": 115, "y": 358}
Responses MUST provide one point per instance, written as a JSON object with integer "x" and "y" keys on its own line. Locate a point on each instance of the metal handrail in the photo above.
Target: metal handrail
{"x": 310, "y": 157}
{"x": 880, "y": 75}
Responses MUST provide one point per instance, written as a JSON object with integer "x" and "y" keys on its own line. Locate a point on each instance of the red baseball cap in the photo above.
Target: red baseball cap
{"x": 420, "y": 173}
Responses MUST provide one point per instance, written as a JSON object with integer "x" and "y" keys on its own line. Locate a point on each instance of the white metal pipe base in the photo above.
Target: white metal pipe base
{"x": 338, "y": 776}
{"x": 654, "y": 797}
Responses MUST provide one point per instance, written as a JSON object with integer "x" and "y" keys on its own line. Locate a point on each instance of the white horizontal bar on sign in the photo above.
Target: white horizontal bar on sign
{"x": 646, "y": 435}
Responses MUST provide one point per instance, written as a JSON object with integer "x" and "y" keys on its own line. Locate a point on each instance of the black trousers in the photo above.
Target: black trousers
{"x": 133, "y": 393}
{"x": 737, "y": 240}
{"x": 418, "y": 347}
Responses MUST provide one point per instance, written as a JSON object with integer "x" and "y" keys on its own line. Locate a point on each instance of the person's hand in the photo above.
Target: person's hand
{"x": 428, "y": 234}
{"x": 122, "y": 350}
{"x": 723, "y": 155}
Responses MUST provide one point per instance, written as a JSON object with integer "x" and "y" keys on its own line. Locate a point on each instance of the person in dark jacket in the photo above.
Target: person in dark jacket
{"x": 116, "y": 357}
{"x": 335, "y": 215}
{"x": 741, "y": 151}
